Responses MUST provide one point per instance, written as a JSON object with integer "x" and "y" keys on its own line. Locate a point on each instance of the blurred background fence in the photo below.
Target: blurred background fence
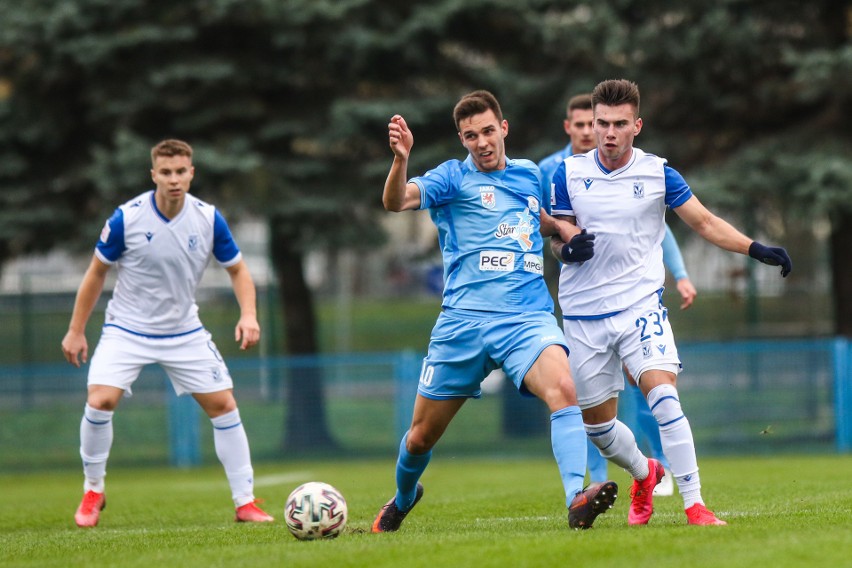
{"x": 742, "y": 397}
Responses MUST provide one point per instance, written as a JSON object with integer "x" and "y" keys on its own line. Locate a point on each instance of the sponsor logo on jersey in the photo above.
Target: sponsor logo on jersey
{"x": 638, "y": 189}
{"x": 498, "y": 260}
{"x": 488, "y": 196}
{"x": 193, "y": 242}
{"x": 105, "y": 233}
{"x": 661, "y": 347}
{"x": 149, "y": 235}
{"x": 534, "y": 264}
{"x": 548, "y": 338}
{"x": 532, "y": 203}
{"x": 521, "y": 232}
{"x": 587, "y": 182}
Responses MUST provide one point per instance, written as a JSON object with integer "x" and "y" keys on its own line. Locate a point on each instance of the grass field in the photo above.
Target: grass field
{"x": 783, "y": 511}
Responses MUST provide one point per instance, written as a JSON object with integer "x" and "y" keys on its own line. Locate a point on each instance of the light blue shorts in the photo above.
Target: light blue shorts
{"x": 466, "y": 346}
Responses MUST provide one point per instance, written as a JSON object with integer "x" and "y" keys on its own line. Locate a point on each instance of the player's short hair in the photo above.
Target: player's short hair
{"x": 171, "y": 147}
{"x": 616, "y": 92}
{"x": 578, "y": 102}
{"x": 476, "y": 102}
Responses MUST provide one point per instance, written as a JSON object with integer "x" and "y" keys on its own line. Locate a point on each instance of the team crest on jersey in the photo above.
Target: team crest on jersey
{"x": 521, "y": 232}
{"x": 638, "y": 189}
{"x": 646, "y": 351}
{"x": 487, "y": 193}
{"x": 587, "y": 182}
{"x": 193, "y": 242}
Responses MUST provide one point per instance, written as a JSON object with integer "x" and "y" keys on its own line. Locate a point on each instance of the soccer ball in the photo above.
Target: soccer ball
{"x": 315, "y": 510}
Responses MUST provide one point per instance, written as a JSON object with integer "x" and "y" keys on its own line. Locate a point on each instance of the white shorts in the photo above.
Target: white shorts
{"x": 641, "y": 337}
{"x": 191, "y": 361}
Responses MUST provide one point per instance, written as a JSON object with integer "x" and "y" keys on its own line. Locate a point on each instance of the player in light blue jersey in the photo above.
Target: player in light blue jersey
{"x": 160, "y": 243}
{"x": 490, "y": 211}
{"x": 579, "y": 126}
{"x": 611, "y": 303}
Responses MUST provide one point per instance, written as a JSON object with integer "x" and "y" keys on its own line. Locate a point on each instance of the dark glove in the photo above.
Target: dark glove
{"x": 580, "y": 248}
{"x": 773, "y": 256}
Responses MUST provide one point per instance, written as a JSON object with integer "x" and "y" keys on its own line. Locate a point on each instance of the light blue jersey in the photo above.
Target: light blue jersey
{"x": 488, "y": 231}
{"x": 549, "y": 164}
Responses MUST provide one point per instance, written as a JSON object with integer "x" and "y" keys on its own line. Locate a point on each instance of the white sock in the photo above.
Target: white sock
{"x": 232, "y": 448}
{"x": 678, "y": 444}
{"x": 617, "y": 444}
{"x": 95, "y": 443}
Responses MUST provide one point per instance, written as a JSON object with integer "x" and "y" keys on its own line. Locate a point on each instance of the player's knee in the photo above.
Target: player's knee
{"x": 102, "y": 400}
{"x": 560, "y": 393}
{"x": 419, "y": 441}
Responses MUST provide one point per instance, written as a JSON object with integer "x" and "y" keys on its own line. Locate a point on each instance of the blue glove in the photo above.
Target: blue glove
{"x": 580, "y": 248}
{"x": 773, "y": 256}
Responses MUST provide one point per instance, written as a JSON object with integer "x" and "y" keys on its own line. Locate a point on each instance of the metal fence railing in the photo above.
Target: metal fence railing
{"x": 741, "y": 397}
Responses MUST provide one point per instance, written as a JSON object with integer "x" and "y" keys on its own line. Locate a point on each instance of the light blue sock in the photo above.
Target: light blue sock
{"x": 568, "y": 438}
{"x": 409, "y": 468}
{"x": 596, "y": 463}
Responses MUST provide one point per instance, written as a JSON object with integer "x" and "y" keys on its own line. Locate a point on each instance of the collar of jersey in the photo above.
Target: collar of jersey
{"x": 162, "y": 217}
{"x": 468, "y": 162}
{"x": 619, "y": 170}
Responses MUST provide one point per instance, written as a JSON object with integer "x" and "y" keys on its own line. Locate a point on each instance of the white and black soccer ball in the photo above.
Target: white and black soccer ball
{"x": 315, "y": 510}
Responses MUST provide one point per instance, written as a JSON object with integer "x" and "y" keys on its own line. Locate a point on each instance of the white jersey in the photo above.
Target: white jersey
{"x": 625, "y": 210}
{"x": 160, "y": 262}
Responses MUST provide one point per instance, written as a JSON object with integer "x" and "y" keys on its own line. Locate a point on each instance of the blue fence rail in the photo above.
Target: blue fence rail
{"x": 741, "y": 397}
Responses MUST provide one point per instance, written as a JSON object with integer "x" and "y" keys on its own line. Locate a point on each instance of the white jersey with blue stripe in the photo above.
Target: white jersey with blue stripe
{"x": 160, "y": 263}
{"x": 625, "y": 209}
{"x": 488, "y": 231}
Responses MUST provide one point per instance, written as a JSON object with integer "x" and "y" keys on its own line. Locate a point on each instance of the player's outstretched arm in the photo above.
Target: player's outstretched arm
{"x": 247, "y": 331}
{"x": 724, "y": 235}
{"x": 75, "y": 348}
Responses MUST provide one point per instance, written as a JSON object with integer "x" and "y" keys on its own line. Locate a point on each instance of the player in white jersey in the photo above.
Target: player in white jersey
{"x": 160, "y": 243}
{"x": 497, "y": 311}
{"x": 611, "y": 304}
{"x": 579, "y": 126}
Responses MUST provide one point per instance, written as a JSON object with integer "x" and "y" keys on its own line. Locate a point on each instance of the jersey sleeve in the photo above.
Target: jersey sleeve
{"x": 546, "y": 197}
{"x": 672, "y": 257}
{"x": 110, "y": 245}
{"x": 439, "y": 185}
{"x": 225, "y": 248}
{"x": 559, "y": 192}
{"x": 677, "y": 191}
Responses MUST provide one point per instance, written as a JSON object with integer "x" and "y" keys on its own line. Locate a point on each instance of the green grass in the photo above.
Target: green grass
{"x": 783, "y": 511}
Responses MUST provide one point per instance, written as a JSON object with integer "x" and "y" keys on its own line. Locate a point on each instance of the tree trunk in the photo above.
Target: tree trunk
{"x": 841, "y": 270}
{"x": 305, "y": 424}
